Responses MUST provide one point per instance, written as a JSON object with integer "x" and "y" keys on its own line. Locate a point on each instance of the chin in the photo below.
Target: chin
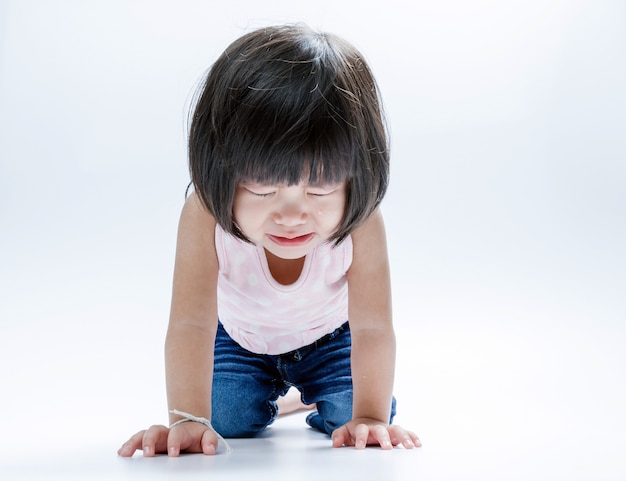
{"x": 289, "y": 254}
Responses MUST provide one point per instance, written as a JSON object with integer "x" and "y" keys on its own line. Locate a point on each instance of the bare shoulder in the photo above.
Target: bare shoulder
{"x": 194, "y": 212}
{"x": 196, "y": 265}
{"x": 370, "y": 243}
{"x": 369, "y": 284}
{"x": 196, "y": 231}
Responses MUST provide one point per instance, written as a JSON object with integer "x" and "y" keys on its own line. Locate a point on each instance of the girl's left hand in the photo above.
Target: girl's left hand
{"x": 363, "y": 432}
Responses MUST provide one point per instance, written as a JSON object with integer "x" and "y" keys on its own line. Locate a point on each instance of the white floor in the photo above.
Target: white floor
{"x": 284, "y": 451}
{"x": 491, "y": 400}
{"x": 506, "y": 224}
{"x": 547, "y": 450}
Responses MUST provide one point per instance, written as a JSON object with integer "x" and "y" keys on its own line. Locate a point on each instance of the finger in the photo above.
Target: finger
{"x": 408, "y": 439}
{"x": 209, "y": 442}
{"x": 340, "y": 436}
{"x": 175, "y": 441}
{"x": 361, "y": 435}
{"x": 132, "y": 445}
{"x": 193, "y": 438}
{"x": 416, "y": 441}
{"x": 185, "y": 437}
{"x": 381, "y": 435}
{"x": 155, "y": 440}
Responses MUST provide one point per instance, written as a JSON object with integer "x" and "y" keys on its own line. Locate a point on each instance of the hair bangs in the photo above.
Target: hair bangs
{"x": 322, "y": 159}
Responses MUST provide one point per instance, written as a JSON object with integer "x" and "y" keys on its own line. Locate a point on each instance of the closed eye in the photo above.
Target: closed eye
{"x": 321, "y": 193}
{"x": 259, "y": 194}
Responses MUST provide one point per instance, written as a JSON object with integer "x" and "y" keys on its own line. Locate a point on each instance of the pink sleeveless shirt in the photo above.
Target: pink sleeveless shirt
{"x": 266, "y": 317}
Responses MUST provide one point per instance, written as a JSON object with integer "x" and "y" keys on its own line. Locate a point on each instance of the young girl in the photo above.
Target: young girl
{"x": 280, "y": 245}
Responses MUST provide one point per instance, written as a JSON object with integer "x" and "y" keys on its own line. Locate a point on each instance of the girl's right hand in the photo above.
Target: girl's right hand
{"x": 190, "y": 437}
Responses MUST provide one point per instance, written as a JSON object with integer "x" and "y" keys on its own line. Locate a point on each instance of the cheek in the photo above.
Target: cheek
{"x": 243, "y": 213}
{"x": 249, "y": 216}
{"x": 332, "y": 212}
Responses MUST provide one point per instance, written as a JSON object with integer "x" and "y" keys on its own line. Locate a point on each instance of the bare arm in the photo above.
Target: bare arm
{"x": 373, "y": 343}
{"x": 190, "y": 340}
{"x": 193, "y": 318}
{"x": 373, "y": 339}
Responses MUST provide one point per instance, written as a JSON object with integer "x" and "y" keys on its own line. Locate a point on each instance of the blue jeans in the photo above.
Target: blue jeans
{"x": 246, "y": 385}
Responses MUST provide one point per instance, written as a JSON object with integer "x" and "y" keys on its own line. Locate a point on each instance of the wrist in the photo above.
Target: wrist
{"x": 186, "y": 417}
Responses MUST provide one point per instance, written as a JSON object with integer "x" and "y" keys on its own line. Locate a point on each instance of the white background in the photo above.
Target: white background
{"x": 506, "y": 219}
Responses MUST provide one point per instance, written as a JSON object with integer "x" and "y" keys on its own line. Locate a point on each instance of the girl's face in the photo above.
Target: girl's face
{"x": 289, "y": 221}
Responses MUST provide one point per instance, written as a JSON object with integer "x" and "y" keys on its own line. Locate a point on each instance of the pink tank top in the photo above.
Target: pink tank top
{"x": 266, "y": 317}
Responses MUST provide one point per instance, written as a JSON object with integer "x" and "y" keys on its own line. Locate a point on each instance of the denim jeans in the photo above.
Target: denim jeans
{"x": 246, "y": 385}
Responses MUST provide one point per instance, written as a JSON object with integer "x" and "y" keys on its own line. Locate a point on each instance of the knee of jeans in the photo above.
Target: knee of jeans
{"x": 334, "y": 412}
{"x": 235, "y": 421}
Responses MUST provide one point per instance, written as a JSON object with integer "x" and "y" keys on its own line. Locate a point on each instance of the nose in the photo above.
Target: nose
{"x": 291, "y": 214}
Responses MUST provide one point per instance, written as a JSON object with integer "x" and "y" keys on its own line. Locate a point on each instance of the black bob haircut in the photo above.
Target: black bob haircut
{"x": 284, "y": 105}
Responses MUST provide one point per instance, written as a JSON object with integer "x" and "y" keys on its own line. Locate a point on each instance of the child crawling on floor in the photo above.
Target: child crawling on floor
{"x": 281, "y": 277}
